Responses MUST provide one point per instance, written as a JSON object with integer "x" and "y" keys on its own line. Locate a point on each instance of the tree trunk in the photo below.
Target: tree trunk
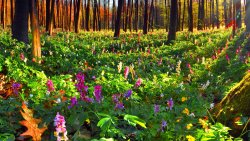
{"x": 3, "y": 14}
{"x": 87, "y": 23}
{"x": 108, "y": 15}
{"x": 113, "y": 15}
{"x": 118, "y": 19}
{"x": 145, "y": 25}
{"x": 12, "y": 11}
{"x": 20, "y": 23}
{"x": 190, "y": 16}
{"x": 151, "y": 16}
{"x": 36, "y": 43}
{"x": 77, "y": 15}
{"x": 247, "y": 18}
{"x": 51, "y": 20}
{"x": 136, "y": 14}
{"x": 183, "y": 15}
{"x": 225, "y": 12}
{"x": 238, "y": 14}
{"x": 173, "y": 20}
{"x": 178, "y": 28}
{"x": 235, "y": 103}
{"x": 217, "y": 15}
{"x": 48, "y": 2}
{"x": 213, "y": 16}
{"x": 127, "y": 15}
{"x": 234, "y": 17}
{"x": 95, "y": 16}
{"x": 70, "y": 14}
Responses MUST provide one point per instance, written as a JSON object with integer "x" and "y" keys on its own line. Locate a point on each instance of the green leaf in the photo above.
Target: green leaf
{"x": 104, "y": 123}
{"x": 133, "y": 120}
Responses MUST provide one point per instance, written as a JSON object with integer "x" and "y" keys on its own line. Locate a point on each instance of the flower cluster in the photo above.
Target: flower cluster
{"x": 82, "y": 88}
{"x": 138, "y": 83}
{"x": 73, "y": 102}
{"x": 50, "y": 86}
{"x": 170, "y": 103}
{"x": 16, "y": 87}
{"x": 126, "y": 72}
{"x": 117, "y": 101}
{"x": 98, "y": 93}
{"x": 61, "y": 132}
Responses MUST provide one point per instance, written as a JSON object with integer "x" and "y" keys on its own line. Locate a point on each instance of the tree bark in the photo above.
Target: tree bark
{"x": 183, "y": 15}
{"x": 118, "y": 19}
{"x": 47, "y": 14}
{"x": 238, "y": 14}
{"x": 36, "y": 43}
{"x": 225, "y": 12}
{"x": 145, "y": 25}
{"x": 77, "y": 15}
{"x": 247, "y": 18}
{"x": 173, "y": 20}
{"x": 87, "y": 23}
{"x": 20, "y": 23}
{"x": 136, "y": 14}
{"x": 190, "y": 16}
{"x": 217, "y": 15}
{"x": 236, "y": 103}
{"x": 51, "y": 20}
{"x": 113, "y": 15}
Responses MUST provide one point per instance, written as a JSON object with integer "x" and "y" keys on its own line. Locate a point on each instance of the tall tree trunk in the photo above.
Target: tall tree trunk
{"x": 230, "y": 11}
{"x": 36, "y": 43}
{"x": 95, "y": 16}
{"x": 3, "y": 13}
{"x": 118, "y": 18}
{"x": 51, "y": 20}
{"x": 136, "y": 14}
{"x": 234, "y": 17}
{"x": 131, "y": 15}
{"x": 201, "y": 15}
{"x": 87, "y": 23}
{"x": 173, "y": 20}
{"x": 225, "y": 12}
{"x": 238, "y": 14}
{"x": 113, "y": 15}
{"x": 217, "y": 15}
{"x": 20, "y": 23}
{"x": 99, "y": 15}
{"x": 190, "y": 16}
{"x": 213, "y": 16}
{"x": 178, "y": 16}
{"x": 145, "y": 25}
{"x": 247, "y": 18}
{"x": 70, "y": 14}
{"x": 151, "y": 16}
{"x": 48, "y": 3}
{"x": 108, "y": 14}
{"x": 77, "y": 15}
{"x": 167, "y": 15}
{"x": 183, "y": 15}
{"x": 12, "y": 11}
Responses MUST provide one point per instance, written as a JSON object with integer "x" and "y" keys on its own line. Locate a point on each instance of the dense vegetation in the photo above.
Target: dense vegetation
{"x": 136, "y": 87}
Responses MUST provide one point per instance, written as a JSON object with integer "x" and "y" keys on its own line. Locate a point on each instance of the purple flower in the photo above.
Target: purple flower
{"x": 170, "y": 103}
{"x": 126, "y": 71}
{"x": 163, "y": 125}
{"x": 98, "y": 93}
{"x": 87, "y": 99}
{"x": 119, "y": 105}
{"x": 50, "y": 86}
{"x": 116, "y": 97}
{"x": 80, "y": 81}
{"x": 59, "y": 123}
{"x": 15, "y": 87}
{"x": 73, "y": 102}
{"x": 128, "y": 94}
{"x": 138, "y": 82}
{"x": 156, "y": 108}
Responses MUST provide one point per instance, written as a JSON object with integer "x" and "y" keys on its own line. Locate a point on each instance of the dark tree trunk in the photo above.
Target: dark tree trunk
{"x": 151, "y": 16}
{"x": 225, "y": 12}
{"x": 99, "y": 15}
{"x": 213, "y": 16}
{"x": 48, "y": 14}
{"x": 136, "y": 14}
{"x": 145, "y": 25}
{"x": 238, "y": 14}
{"x": 77, "y": 15}
{"x": 51, "y": 20}
{"x": 190, "y": 16}
{"x": 118, "y": 19}
{"x": 95, "y": 16}
{"x": 247, "y": 18}
{"x": 3, "y": 14}
{"x": 230, "y": 11}
{"x": 201, "y": 15}
{"x": 178, "y": 28}
{"x": 108, "y": 15}
{"x": 113, "y": 15}
{"x": 70, "y": 14}
{"x": 167, "y": 15}
{"x": 130, "y": 15}
{"x": 217, "y": 15}
{"x": 20, "y": 23}
{"x": 173, "y": 20}
{"x": 234, "y": 16}
{"x": 12, "y": 11}
{"x": 183, "y": 15}
{"x": 87, "y": 23}
{"x": 127, "y": 15}
{"x": 36, "y": 43}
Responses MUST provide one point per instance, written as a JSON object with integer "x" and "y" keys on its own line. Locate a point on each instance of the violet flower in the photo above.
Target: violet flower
{"x": 156, "y": 108}
{"x": 73, "y": 102}
{"x": 170, "y": 103}
{"x": 61, "y": 132}
{"x": 116, "y": 97}
{"x": 98, "y": 93}
{"x": 119, "y": 105}
{"x": 128, "y": 94}
{"x": 15, "y": 87}
{"x": 163, "y": 125}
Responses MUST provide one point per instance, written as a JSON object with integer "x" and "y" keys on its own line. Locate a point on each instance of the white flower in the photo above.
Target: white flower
{"x": 211, "y": 105}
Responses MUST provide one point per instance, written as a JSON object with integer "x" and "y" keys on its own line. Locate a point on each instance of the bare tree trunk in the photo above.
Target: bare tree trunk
{"x": 118, "y": 18}
{"x": 213, "y": 16}
{"x": 48, "y": 3}
{"x": 108, "y": 14}
{"x": 217, "y": 15}
{"x": 77, "y": 15}
{"x": 136, "y": 14}
{"x": 173, "y": 20}
{"x": 95, "y": 16}
{"x": 183, "y": 15}
{"x": 234, "y": 17}
{"x": 151, "y": 16}
{"x": 247, "y": 18}
{"x": 36, "y": 43}
{"x": 190, "y": 18}
{"x": 145, "y": 25}
{"x": 87, "y": 23}
{"x": 12, "y": 11}
{"x": 3, "y": 13}
{"x": 113, "y": 15}
{"x": 130, "y": 15}
{"x": 20, "y": 23}
{"x": 238, "y": 14}
{"x": 51, "y": 21}
{"x": 70, "y": 14}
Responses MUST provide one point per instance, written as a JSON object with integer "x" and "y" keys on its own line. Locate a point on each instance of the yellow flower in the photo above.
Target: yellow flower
{"x": 190, "y": 138}
{"x": 189, "y": 126}
{"x": 185, "y": 111}
{"x": 183, "y": 99}
{"x": 203, "y": 123}
{"x": 87, "y": 121}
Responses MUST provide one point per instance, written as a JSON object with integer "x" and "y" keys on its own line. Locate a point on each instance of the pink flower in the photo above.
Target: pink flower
{"x": 59, "y": 123}
{"x": 22, "y": 56}
{"x": 228, "y": 59}
{"x": 98, "y": 93}
{"x": 126, "y": 71}
{"x": 138, "y": 83}
{"x": 50, "y": 86}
